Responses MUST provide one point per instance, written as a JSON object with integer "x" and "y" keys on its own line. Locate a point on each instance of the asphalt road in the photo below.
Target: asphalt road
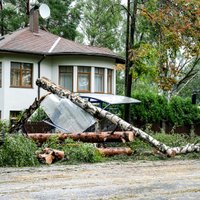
{"x": 165, "y": 180}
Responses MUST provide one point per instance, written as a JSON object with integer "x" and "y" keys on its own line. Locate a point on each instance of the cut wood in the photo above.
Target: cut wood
{"x": 113, "y": 151}
{"x": 91, "y": 137}
{"x": 49, "y": 155}
{"x": 99, "y": 113}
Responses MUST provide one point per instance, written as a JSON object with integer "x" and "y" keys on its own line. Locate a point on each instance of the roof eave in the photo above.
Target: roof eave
{"x": 117, "y": 58}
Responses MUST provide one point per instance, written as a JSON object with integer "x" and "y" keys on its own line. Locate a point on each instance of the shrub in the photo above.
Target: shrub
{"x": 155, "y": 108}
{"x": 183, "y": 112}
{"x": 38, "y": 115}
{"x": 151, "y": 109}
{"x": 18, "y": 151}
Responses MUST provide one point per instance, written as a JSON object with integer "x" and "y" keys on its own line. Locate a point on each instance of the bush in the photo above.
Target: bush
{"x": 183, "y": 112}
{"x": 154, "y": 108}
{"x": 38, "y": 115}
{"x": 18, "y": 151}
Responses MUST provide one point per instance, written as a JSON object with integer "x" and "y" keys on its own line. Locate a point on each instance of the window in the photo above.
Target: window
{"x": 109, "y": 83}
{"x": 0, "y": 74}
{"x": 66, "y": 77}
{"x": 14, "y": 115}
{"x": 99, "y": 80}
{"x": 21, "y": 74}
{"x": 84, "y": 74}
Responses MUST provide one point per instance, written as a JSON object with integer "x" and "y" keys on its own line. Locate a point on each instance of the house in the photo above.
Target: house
{"x": 29, "y": 53}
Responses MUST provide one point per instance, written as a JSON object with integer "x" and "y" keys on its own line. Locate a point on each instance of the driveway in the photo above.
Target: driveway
{"x": 112, "y": 181}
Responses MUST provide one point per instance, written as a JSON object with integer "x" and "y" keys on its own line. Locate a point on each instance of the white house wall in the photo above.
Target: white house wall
{"x": 16, "y": 99}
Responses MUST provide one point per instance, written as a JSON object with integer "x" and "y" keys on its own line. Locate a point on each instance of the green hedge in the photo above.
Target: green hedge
{"x": 154, "y": 108}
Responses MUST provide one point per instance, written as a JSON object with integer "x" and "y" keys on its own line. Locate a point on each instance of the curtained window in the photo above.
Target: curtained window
{"x": 21, "y": 75}
{"x": 66, "y": 77}
{"x": 84, "y": 76}
{"x": 109, "y": 83}
{"x": 99, "y": 80}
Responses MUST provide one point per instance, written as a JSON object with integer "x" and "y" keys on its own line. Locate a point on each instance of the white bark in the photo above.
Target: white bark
{"x": 100, "y": 113}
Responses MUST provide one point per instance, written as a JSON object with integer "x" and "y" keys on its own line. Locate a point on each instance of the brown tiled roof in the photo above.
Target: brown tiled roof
{"x": 45, "y": 43}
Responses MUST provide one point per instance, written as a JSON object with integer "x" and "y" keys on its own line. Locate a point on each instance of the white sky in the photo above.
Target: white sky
{"x": 124, "y": 1}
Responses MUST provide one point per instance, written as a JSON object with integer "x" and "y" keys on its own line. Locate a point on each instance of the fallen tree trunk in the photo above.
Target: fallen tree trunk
{"x": 113, "y": 151}
{"x": 25, "y": 116}
{"x": 91, "y": 137}
{"x": 100, "y": 113}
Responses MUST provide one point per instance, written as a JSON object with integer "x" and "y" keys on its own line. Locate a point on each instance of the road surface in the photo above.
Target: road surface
{"x": 163, "y": 180}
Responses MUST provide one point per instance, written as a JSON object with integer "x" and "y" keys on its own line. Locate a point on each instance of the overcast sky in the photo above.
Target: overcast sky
{"x": 124, "y": 1}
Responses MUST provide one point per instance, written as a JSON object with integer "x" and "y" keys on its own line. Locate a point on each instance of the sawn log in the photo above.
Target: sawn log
{"x": 90, "y": 137}
{"x": 113, "y": 151}
{"x": 99, "y": 113}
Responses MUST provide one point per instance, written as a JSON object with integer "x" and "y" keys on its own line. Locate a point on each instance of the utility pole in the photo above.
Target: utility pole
{"x": 1, "y": 10}
{"x": 130, "y": 41}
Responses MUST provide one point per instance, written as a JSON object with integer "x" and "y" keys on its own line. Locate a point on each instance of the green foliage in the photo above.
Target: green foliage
{"x": 181, "y": 111}
{"x": 144, "y": 61}
{"x": 18, "y": 151}
{"x": 63, "y": 21}
{"x": 101, "y": 21}
{"x": 151, "y": 109}
{"x": 39, "y": 115}
{"x": 64, "y": 18}
{"x": 144, "y": 151}
{"x": 155, "y": 108}
{"x": 75, "y": 152}
{"x": 4, "y": 125}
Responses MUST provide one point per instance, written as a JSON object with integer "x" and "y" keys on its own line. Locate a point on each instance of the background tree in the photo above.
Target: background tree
{"x": 177, "y": 36}
{"x": 64, "y": 19}
{"x": 12, "y": 15}
{"x": 101, "y": 23}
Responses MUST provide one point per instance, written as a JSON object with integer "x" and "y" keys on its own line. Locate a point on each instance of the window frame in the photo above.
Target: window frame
{"x": 100, "y": 74}
{"x": 59, "y": 72}
{"x": 21, "y": 75}
{"x": 79, "y": 73}
{"x": 109, "y": 77}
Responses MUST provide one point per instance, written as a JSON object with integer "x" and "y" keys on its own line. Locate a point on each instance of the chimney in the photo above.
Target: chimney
{"x": 34, "y": 20}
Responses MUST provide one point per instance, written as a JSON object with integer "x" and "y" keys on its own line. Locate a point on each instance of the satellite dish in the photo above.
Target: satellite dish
{"x": 44, "y": 11}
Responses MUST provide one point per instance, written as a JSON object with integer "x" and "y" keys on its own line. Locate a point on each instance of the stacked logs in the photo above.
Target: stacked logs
{"x": 90, "y": 137}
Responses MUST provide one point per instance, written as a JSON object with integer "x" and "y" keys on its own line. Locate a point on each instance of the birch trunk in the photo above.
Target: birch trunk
{"x": 100, "y": 137}
{"x": 99, "y": 113}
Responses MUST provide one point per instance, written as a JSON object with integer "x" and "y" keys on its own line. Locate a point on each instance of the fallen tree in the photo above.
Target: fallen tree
{"x": 90, "y": 137}
{"x": 99, "y": 113}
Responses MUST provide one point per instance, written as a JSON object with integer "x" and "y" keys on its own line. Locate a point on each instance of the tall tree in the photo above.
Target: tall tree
{"x": 63, "y": 21}
{"x": 176, "y": 36}
{"x": 12, "y": 15}
{"x": 101, "y": 22}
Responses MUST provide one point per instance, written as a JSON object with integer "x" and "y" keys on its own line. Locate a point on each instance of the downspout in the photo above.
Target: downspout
{"x": 39, "y": 62}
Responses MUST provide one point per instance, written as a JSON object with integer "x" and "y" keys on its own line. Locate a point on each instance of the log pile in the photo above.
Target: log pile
{"x": 48, "y": 155}
{"x": 99, "y": 113}
{"x": 90, "y": 137}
